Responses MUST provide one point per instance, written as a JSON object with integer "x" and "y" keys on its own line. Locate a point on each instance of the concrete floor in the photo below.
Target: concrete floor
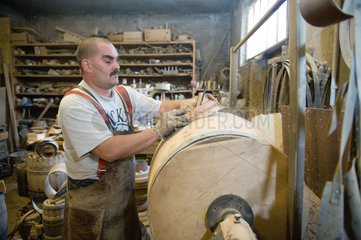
{"x": 13, "y": 201}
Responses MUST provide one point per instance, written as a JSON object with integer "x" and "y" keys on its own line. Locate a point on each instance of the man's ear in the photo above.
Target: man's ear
{"x": 86, "y": 65}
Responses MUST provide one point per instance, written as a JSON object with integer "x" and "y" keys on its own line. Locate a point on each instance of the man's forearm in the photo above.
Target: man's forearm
{"x": 121, "y": 146}
{"x": 175, "y": 104}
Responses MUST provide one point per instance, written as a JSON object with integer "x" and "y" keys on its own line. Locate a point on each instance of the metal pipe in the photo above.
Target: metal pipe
{"x": 233, "y": 83}
{"x": 297, "y": 44}
{"x": 335, "y": 65}
{"x": 267, "y": 15}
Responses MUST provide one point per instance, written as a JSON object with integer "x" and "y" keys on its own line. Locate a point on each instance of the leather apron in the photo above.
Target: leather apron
{"x": 106, "y": 209}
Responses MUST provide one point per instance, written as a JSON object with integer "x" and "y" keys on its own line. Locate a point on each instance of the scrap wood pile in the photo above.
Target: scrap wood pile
{"x": 276, "y": 90}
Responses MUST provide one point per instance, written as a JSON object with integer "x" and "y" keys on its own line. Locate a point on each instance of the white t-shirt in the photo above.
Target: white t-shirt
{"x": 84, "y": 129}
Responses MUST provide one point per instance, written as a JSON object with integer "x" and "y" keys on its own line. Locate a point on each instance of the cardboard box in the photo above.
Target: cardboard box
{"x": 183, "y": 37}
{"x": 43, "y": 51}
{"x": 33, "y": 137}
{"x": 3, "y": 136}
{"x": 157, "y": 35}
{"x": 19, "y": 38}
{"x": 133, "y": 36}
{"x": 116, "y": 37}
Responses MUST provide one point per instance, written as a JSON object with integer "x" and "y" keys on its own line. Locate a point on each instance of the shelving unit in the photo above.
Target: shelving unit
{"x": 152, "y": 62}
{"x": 41, "y": 71}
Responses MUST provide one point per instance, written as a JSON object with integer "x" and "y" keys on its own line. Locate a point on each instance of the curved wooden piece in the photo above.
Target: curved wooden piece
{"x": 214, "y": 156}
{"x": 322, "y": 13}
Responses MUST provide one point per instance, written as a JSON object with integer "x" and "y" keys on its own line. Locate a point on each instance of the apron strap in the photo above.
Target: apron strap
{"x": 91, "y": 100}
{"x": 125, "y": 96}
{"x": 102, "y": 164}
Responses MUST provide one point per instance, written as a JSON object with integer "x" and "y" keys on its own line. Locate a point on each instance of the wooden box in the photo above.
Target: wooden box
{"x": 3, "y": 136}
{"x": 133, "y": 36}
{"x": 116, "y": 37}
{"x": 183, "y": 37}
{"x": 33, "y": 137}
{"x": 17, "y": 38}
{"x": 157, "y": 35}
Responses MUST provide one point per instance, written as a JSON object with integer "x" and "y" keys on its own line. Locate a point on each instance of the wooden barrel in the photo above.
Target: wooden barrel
{"x": 53, "y": 216}
{"x": 46, "y": 237}
{"x": 21, "y": 178}
{"x": 211, "y": 157}
{"x": 38, "y": 168}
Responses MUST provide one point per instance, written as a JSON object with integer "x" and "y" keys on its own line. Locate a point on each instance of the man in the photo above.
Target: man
{"x": 96, "y": 121}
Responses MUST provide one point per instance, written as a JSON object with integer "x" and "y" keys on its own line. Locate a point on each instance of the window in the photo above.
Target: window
{"x": 272, "y": 31}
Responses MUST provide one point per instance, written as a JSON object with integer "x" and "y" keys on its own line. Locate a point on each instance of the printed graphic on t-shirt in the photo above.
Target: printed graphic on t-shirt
{"x": 118, "y": 120}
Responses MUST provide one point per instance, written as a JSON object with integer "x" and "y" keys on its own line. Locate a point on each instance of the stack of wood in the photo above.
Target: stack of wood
{"x": 22, "y": 35}
{"x": 68, "y": 36}
{"x": 276, "y": 88}
{"x": 141, "y": 187}
{"x": 318, "y": 82}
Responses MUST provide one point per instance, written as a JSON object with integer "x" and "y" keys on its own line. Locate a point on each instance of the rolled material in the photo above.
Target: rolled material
{"x": 47, "y": 148}
{"x": 346, "y": 36}
{"x": 55, "y": 180}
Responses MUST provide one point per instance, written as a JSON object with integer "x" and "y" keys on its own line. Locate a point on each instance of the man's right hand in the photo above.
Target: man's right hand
{"x": 169, "y": 122}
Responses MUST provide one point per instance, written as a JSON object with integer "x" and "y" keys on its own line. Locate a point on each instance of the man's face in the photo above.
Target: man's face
{"x": 105, "y": 68}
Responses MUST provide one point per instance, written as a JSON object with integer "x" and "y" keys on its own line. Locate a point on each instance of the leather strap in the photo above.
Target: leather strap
{"x": 91, "y": 100}
{"x": 124, "y": 96}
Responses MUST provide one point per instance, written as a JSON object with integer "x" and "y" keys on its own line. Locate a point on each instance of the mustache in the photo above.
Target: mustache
{"x": 116, "y": 71}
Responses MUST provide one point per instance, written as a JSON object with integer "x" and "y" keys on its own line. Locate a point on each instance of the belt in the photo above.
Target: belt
{"x": 74, "y": 184}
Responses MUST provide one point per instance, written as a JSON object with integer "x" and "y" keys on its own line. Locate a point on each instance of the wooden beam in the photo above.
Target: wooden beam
{"x": 297, "y": 42}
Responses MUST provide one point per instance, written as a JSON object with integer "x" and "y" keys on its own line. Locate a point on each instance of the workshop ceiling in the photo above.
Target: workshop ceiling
{"x": 70, "y": 7}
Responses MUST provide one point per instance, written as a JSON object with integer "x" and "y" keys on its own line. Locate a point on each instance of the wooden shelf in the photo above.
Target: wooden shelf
{"x": 36, "y": 106}
{"x": 39, "y": 94}
{"x": 46, "y": 65}
{"x": 45, "y": 55}
{"x": 208, "y": 90}
{"x": 156, "y": 75}
{"x": 181, "y": 57}
{"x": 179, "y": 91}
{"x": 48, "y": 76}
{"x": 155, "y": 55}
{"x": 189, "y": 91}
{"x": 153, "y": 65}
{"x": 153, "y": 43}
{"x": 56, "y": 44}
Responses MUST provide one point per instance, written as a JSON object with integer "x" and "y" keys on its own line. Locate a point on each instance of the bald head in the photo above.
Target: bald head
{"x": 88, "y": 48}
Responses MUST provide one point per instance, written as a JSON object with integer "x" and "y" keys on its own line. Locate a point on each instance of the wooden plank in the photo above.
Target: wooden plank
{"x": 70, "y": 36}
{"x": 151, "y": 149}
{"x": 321, "y": 155}
{"x": 271, "y": 127}
{"x": 297, "y": 42}
{"x": 3, "y": 106}
{"x": 5, "y": 31}
{"x": 32, "y": 31}
{"x": 11, "y": 104}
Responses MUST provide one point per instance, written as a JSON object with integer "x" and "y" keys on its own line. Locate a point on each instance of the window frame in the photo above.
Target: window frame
{"x": 270, "y": 50}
